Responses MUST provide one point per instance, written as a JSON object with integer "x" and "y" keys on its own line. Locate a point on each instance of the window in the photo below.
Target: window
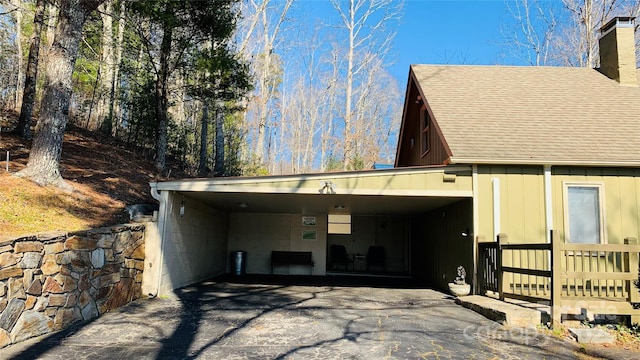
{"x": 425, "y": 124}
{"x": 339, "y": 224}
{"x": 584, "y": 220}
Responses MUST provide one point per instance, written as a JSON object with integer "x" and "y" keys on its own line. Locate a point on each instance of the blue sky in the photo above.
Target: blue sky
{"x": 451, "y": 32}
{"x": 443, "y": 31}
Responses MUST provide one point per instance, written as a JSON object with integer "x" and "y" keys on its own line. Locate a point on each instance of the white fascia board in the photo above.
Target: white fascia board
{"x": 218, "y": 183}
{"x": 311, "y": 191}
{"x": 542, "y": 162}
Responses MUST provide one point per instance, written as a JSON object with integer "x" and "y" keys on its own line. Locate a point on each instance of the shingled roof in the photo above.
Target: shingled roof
{"x": 532, "y": 115}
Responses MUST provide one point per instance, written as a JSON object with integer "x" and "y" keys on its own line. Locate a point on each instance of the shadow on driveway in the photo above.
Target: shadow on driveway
{"x": 293, "y": 317}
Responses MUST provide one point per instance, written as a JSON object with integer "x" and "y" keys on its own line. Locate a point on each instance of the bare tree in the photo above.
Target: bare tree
{"x": 259, "y": 34}
{"x": 311, "y": 108}
{"x": 376, "y": 109}
{"x": 369, "y": 26}
{"x": 333, "y": 87}
{"x": 535, "y": 25}
{"x": 581, "y": 39}
{"x": 565, "y": 35}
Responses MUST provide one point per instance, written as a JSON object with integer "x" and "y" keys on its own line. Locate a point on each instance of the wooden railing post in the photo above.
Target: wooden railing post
{"x": 480, "y": 282}
{"x": 502, "y": 239}
{"x": 631, "y": 263}
{"x": 556, "y": 281}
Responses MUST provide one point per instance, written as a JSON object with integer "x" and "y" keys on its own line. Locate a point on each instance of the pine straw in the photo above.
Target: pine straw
{"x": 27, "y": 208}
{"x": 105, "y": 176}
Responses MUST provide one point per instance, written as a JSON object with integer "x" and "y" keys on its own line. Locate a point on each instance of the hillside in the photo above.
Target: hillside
{"x": 106, "y": 178}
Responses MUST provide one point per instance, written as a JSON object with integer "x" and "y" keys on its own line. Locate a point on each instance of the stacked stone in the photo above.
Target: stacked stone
{"x": 49, "y": 282}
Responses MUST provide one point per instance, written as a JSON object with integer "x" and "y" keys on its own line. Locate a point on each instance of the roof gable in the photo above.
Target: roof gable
{"x": 509, "y": 114}
{"x": 409, "y": 137}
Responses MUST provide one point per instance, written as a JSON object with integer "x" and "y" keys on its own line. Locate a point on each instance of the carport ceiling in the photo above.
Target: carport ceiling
{"x": 321, "y": 203}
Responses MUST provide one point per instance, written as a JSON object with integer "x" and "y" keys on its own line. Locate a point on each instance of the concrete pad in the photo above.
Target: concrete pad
{"x": 500, "y": 311}
{"x": 593, "y": 336}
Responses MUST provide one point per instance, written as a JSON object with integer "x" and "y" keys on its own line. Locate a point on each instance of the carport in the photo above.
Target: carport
{"x": 421, "y": 217}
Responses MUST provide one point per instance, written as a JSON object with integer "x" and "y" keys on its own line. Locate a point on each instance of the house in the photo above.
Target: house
{"x": 554, "y": 152}
{"x": 540, "y": 156}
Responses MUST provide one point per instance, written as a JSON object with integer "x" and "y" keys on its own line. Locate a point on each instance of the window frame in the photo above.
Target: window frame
{"x": 601, "y": 207}
{"x": 425, "y": 130}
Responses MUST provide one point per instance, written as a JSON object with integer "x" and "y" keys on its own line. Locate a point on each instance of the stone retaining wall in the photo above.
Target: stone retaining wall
{"x": 49, "y": 282}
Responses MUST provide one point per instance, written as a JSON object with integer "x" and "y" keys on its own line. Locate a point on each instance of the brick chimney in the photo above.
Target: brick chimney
{"x": 618, "y": 51}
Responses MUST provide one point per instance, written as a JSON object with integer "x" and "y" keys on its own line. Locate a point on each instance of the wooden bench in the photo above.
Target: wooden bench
{"x": 291, "y": 258}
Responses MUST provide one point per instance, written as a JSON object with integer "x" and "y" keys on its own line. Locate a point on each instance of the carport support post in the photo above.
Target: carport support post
{"x": 154, "y": 271}
{"x": 502, "y": 239}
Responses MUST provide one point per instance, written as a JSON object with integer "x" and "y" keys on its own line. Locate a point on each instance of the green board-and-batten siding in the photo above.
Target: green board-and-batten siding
{"x": 522, "y": 214}
{"x": 522, "y": 204}
{"x": 621, "y": 199}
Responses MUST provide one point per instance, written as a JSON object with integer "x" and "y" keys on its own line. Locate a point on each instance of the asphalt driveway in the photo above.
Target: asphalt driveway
{"x": 279, "y": 320}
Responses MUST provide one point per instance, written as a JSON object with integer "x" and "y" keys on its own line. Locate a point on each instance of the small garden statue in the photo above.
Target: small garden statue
{"x": 459, "y": 286}
{"x": 461, "y": 275}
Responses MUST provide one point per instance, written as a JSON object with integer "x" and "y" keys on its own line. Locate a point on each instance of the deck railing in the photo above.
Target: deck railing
{"x": 488, "y": 266}
{"x": 600, "y": 278}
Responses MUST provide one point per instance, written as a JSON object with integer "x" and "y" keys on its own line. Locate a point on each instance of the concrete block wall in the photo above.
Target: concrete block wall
{"x": 260, "y": 233}
{"x": 49, "y": 282}
{"x": 195, "y": 244}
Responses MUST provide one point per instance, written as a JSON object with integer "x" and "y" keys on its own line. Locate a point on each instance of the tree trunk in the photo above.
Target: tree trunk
{"x": 106, "y": 71}
{"x": 44, "y": 158}
{"x": 219, "y": 168}
{"x": 204, "y": 134}
{"x": 113, "y": 110}
{"x": 19, "y": 87}
{"x": 51, "y": 24}
{"x": 161, "y": 103}
{"x": 266, "y": 79}
{"x": 50, "y": 27}
{"x": 29, "y": 94}
{"x": 179, "y": 94}
{"x": 349, "y": 92}
{"x": 265, "y": 93}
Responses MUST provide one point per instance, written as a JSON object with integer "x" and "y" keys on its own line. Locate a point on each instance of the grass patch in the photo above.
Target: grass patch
{"x": 27, "y": 208}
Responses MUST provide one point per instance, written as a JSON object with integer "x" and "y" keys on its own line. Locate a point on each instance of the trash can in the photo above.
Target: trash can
{"x": 238, "y": 262}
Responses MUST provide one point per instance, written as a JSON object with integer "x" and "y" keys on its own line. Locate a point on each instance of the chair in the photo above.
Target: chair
{"x": 376, "y": 258}
{"x": 339, "y": 256}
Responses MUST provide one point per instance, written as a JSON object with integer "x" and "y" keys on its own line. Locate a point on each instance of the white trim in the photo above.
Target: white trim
{"x": 495, "y": 182}
{"x": 476, "y": 211}
{"x": 480, "y": 161}
{"x": 179, "y": 184}
{"x": 311, "y": 191}
{"x": 594, "y": 184}
{"x": 548, "y": 202}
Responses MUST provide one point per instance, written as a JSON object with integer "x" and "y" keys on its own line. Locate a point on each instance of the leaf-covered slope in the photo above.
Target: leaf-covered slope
{"x": 106, "y": 178}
